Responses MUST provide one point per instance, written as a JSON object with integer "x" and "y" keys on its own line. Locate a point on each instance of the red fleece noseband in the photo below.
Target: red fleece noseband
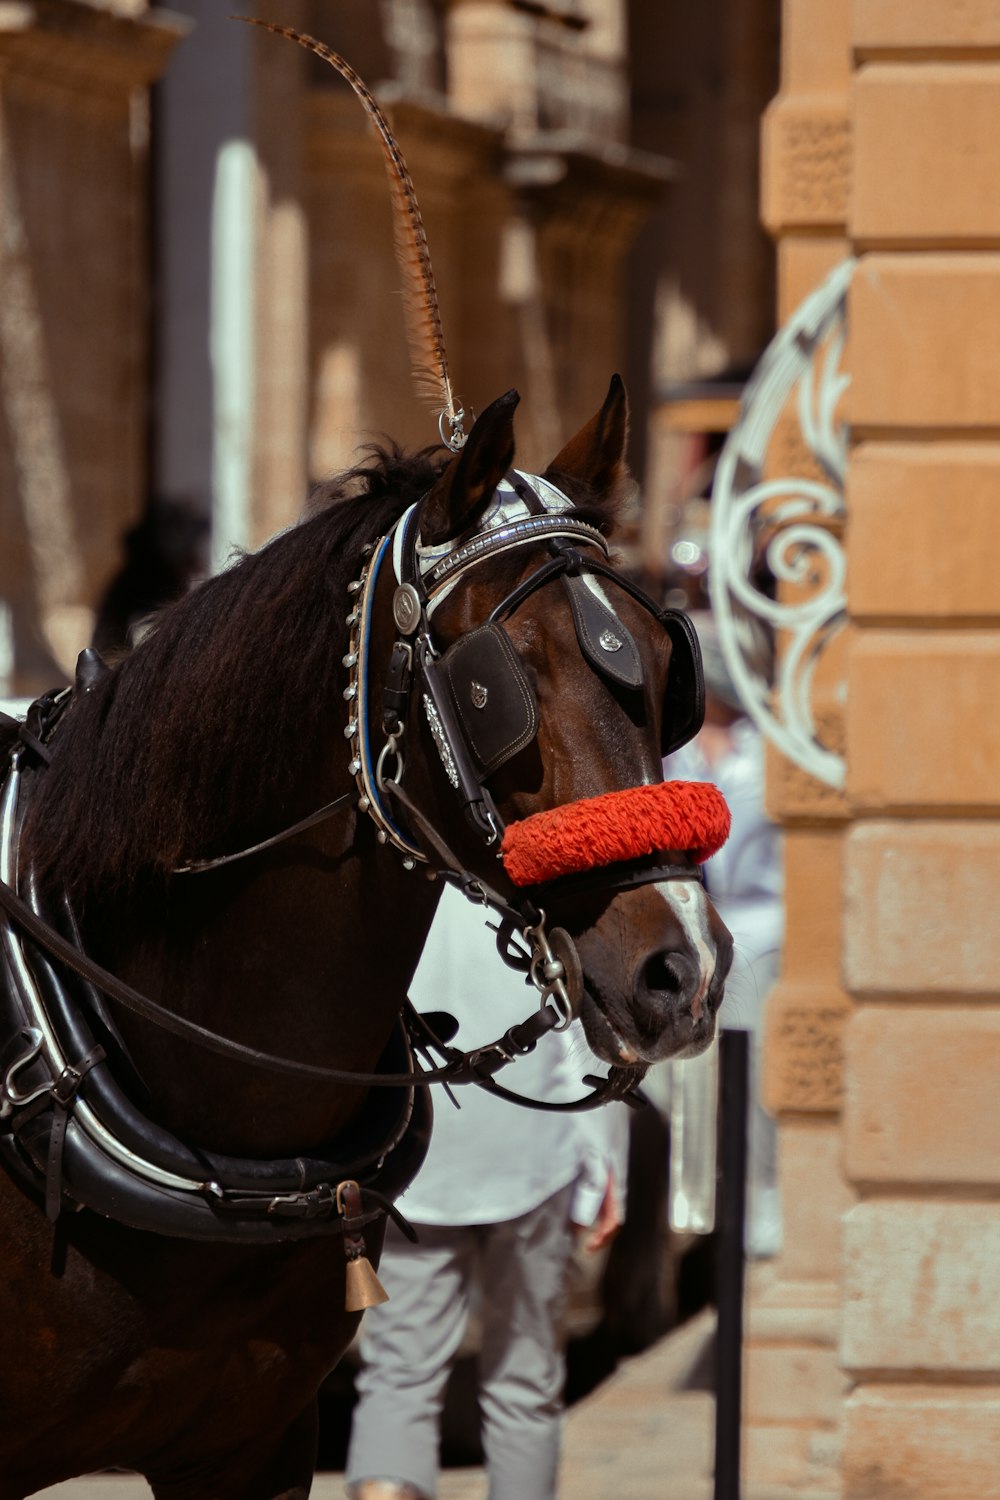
{"x": 681, "y": 815}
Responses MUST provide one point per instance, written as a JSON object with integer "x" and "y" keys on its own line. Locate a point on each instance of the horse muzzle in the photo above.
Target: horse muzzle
{"x": 653, "y": 951}
{"x": 655, "y": 963}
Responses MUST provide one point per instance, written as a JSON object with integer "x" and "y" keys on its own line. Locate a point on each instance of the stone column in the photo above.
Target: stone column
{"x": 795, "y": 1387}
{"x": 921, "y": 1280}
{"x": 361, "y": 368}
{"x": 232, "y": 396}
{"x": 281, "y": 314}
{"x": 73, "y": 343}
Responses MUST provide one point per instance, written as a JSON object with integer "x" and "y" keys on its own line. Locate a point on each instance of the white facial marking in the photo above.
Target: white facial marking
{"x": 686, "y": 899}
{"x": 594, "y": 585}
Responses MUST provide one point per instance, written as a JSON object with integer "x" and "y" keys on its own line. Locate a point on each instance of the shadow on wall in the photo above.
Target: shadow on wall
{"x": 164, "y": 554}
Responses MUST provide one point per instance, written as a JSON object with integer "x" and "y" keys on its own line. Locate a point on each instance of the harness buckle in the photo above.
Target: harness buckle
{"x": 11, "y": 1099}
{"x": 314, "y": 1203}
{"x": 485, "y": 1061}
{"x": 66, "y": 1084}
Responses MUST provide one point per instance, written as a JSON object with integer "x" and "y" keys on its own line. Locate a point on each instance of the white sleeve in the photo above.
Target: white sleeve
{"x": 603, "y": 1138}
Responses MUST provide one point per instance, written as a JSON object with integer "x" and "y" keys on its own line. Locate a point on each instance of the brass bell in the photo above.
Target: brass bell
{"x": 363, "y": 1288}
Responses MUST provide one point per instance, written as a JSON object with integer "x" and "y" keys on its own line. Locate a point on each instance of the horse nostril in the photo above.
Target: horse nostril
{"x": 663, "y": 973}
{"x": 667, "y": 982}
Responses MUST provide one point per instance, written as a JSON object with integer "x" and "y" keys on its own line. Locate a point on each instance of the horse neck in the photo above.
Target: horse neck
{"x": 306, "y": 953}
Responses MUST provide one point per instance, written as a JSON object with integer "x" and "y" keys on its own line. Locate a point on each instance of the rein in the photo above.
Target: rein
{"x": 460, "y": 1068}
{"x": 198, "y": 866}
{"x": 474, "y": 1066}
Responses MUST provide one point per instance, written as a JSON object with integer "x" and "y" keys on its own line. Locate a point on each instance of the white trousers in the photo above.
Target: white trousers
{"x": 408, "y": 1345}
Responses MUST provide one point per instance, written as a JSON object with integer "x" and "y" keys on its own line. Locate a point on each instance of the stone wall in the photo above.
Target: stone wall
{"x": 921, "y": 1276}
{"x": 874, "y": 1356}
{"x": 795, "y": 1386}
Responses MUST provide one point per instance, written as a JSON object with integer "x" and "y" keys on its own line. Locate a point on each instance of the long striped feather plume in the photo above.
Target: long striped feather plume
{"x": 420, "y": 300}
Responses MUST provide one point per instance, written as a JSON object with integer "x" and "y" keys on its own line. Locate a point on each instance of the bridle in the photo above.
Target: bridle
{"x": 457, "y": 685}
{"x": 478, "y": 702}
{"x": 481, "y": 711}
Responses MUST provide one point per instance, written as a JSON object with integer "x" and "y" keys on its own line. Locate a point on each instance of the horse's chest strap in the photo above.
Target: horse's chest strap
{"x": 64, "y": 1091}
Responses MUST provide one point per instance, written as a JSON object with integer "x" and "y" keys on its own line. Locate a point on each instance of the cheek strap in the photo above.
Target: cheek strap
{"x": 688, "y": 816}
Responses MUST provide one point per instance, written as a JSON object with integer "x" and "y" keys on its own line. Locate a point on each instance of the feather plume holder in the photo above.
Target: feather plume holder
{"x": 688, "y": 816}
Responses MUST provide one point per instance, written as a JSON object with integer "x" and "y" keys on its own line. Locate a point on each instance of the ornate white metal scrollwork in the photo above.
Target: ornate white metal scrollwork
{"x": 791, "y": 524}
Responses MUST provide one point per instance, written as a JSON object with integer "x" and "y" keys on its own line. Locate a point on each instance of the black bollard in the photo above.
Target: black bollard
{"x": 730, "y": 1217}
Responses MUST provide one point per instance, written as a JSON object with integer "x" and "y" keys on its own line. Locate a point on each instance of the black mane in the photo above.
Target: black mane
{"x": 197, "y": 741}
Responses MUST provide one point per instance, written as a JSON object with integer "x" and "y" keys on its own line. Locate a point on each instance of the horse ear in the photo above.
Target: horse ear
{"x": 597, "y": 454}
{"x": 467, "y": 485}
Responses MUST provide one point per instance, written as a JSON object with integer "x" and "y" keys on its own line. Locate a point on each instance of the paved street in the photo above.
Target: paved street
{"x": 644, "y": 1434}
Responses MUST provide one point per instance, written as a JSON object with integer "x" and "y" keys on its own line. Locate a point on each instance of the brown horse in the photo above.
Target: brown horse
{"x": 196, "y": 1360}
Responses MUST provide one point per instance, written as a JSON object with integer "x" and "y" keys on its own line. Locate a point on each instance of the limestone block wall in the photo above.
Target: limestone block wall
{"x": 921, "y": 1274}
{"x": 795, "y": 1387}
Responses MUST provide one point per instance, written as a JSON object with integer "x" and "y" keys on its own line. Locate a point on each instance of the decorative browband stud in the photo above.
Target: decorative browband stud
{"x": 406, "y": 608}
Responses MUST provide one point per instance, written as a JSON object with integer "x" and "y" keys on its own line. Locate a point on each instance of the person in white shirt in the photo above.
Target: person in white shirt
{"x": 498, "y": 1207}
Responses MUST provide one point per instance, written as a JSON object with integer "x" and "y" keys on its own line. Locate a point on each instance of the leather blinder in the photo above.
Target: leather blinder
{"x": 684, "y": 703}
{"x": 603, "y": 639}
{"x": 492, "y": 696}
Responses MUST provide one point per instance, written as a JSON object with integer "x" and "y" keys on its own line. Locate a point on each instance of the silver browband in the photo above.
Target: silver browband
{"x": 503, "y": 539}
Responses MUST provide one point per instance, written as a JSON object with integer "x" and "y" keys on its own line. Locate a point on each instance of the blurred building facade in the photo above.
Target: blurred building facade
{"x": 74, "y": 291}
{"x": 199, "y": 304}
{"x": 202, "y": 301}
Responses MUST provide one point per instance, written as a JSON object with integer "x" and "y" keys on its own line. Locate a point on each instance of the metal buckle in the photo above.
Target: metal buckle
{"x": 12, "y": 1100}
{"x": 312, "y": 1203}
{"x": 489, "y": 1060}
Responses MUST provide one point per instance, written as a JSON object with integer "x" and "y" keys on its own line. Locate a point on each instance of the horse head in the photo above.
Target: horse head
{"x": 546, "y": 689}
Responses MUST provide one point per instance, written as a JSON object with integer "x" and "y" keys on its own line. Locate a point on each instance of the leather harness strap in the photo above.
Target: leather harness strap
{"x": 141, "y": 1005}
{"x": 199, "y": 866}
{"x": 64, "y": 1092}
{"x": 476, "y": 1066}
